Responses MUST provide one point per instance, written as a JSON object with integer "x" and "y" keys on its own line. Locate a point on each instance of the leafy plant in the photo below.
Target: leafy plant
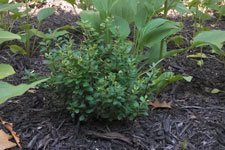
{"x": 7, "y": 90}
{"x": 30, "y": 32}
{"x": 102, "y": 80}
{"x": 6, "y": 9}
{"x": 149, "y": 34}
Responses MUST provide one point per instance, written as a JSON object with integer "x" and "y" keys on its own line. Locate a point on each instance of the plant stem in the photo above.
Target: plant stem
{"x": 27, "y": 31}
{"x": 162, "y": 41}
{"x": 165, "y": 9}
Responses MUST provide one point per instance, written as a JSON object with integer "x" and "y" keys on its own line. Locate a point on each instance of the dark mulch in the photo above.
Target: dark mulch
{"x": 196, "y": 116}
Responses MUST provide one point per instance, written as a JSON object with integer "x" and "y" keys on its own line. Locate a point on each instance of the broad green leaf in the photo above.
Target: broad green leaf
{"x": 215, "y": 37}
{"x": 44, "y": 13}
{"x": 211, "y": 4}
{"x": 141, "y": 16}
{"x": 181, "y": 8}
{"x": 16, "y": 48}
{"x": 200, "y": 15}
{"x": 153, "y": 54}
{"x": 171, "y": 4}
{"x": 125, "y": 9}
{"x": 6, "y": 70}
{"x": 6, "y": 7}
{"x": 103, "y": 5}
{"x": 7, "y": 36}
{"x": 92, "y": 17}
{"x": 154, "y": 5}
{"x": 120, "y": 27}
{"x": 8, "y": 91}
{"x": 155, "y": 32}
{"x": 222, "y": 10}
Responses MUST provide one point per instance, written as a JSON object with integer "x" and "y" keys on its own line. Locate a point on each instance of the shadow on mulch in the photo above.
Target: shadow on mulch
{"x": 197, "y": 116}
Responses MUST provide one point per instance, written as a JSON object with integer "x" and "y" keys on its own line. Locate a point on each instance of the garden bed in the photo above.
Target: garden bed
{"x": 196, "y": 118}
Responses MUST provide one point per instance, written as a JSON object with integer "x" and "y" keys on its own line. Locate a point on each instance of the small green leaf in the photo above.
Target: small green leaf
{"x": 187, "y": 78}
{"x": 82, "y": 118}
{"x": 66, "y": 27}
{"x": 26, "y": 26}
{"x": 6, "y": 70}
{"x": 38, "y": 33}
{"x": 44, "y": 13}
{"x": 200, "y": 63}
{"x": 16, "y": 48}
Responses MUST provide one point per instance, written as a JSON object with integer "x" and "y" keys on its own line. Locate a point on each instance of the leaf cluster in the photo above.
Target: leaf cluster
{"x": 99, "y": 80}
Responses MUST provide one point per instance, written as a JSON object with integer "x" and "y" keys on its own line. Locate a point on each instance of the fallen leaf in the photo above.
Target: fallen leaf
{"x": 215, "y": 91}
{"x": 157, "y": 104}
{"x": 4, "y": 141}
{"x": 9, "y": 126}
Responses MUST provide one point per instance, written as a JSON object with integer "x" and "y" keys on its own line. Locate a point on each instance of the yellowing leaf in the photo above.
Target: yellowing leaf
{"x": 9, "y": 126}
{"x": 157, "y": 104}
{"x": 200, "y": 63}
{"x": 4, "y": 141}
{"x": 16, "y": 48}
{"x": 215, "y": 91}
{"x": 198, "y": 55}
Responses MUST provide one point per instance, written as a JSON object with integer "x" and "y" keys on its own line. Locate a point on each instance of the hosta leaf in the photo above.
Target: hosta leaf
{"x": 181, "y": 8}
{"x": 141, "y": 16}
{"x": 7, "y": 36}
{"x": 153, "y": 54}
{"x": 154, "y": 5}
{"x": 215, "y": 37}
{"x": 8, "y": 91}
{"x": 6, "y": 70}
{"x": 125, "y": 9}
{"x": 92, "y": 17}
{"x": 6, "y": 7}
{"x": 44, "y": 13}
{"x": 120, "y": 27}
{"x": 158, "y": 30}
{"x": 103, "y": 5}
{"x": 222, "y": 10}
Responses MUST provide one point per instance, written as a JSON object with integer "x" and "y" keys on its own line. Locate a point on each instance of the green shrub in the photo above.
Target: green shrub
{"x": 98, "y": 80}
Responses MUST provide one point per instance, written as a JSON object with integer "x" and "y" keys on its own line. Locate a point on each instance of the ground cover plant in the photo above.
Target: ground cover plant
{"x": 122, "y": 68}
